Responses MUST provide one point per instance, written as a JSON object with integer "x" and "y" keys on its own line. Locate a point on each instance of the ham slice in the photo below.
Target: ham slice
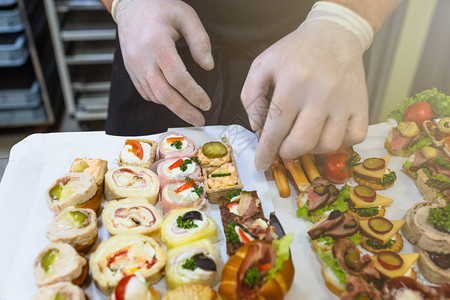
{"x": 165, "y": 151}
{"x": 399, "y": 142}
{"x": 171, "y": 200}
{"x": 248, "y": 205}
{"x": 167, "y": 176}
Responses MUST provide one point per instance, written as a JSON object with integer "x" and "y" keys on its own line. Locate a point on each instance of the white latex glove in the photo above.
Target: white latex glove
{"x": 320, "y": 98}
{"x": 148, "y": 30}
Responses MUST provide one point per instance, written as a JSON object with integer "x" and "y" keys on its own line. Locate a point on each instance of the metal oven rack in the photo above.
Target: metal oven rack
{"x": 83, "y": 36}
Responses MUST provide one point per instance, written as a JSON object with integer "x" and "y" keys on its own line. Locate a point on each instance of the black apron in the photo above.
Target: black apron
{"x": 239, "y": 31}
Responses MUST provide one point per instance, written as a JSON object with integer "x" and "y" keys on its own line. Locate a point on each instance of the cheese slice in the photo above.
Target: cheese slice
{"x": 359, "y": 203}
{"x": 408, "y": 261}
{"x": 378, "y": 174}
{"x": 397, "y": 224}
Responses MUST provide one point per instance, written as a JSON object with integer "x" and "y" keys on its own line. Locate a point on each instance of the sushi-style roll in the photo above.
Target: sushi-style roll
{"x": 95, "y": 167}
{"x": 125, "y": 254}
{"x": 138, "y": 152}
{"x": 177, "y": 169}
{"x": 138, "y": 182}
{"x": 131, "y": 215}
{"x": 73, "y": 189}
{"x": 192, "y": 263}
{"x": 134, "y": 287}
{"x": 60, "y": 262}
{"x": 175, "y": 145}
{"x": 60, "y": 290}
{"x": 74, "y": 226}
{"x": 187, "y": 225}
{"x": 188, "y": 194}
{"x": 215, "y": 154}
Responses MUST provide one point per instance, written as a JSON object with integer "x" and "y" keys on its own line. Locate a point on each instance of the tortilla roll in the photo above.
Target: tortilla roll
{"x": 309, "y": 167}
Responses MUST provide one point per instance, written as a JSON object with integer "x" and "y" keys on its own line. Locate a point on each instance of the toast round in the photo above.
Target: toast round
{"x": 373, "y": 185}
{"x": 397, "y": 247}
{"x": 381, "y": 213}
{"x": 193, "y": 291}
{"x": 429, "y": 269}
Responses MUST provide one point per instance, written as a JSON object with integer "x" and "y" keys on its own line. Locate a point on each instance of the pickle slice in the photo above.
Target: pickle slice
{"x": 214, "y": 150}
{"x": 80, "y": 166}
{"x": 352, "y": 259}
{"x": 49, "y": 259}
{"x": 380, "y": 225}
{"x": 320, "y": 189}
{"x": 408, "y": 129}
{"x": 60, "y": 296}
{"x": 78, "y": 217}
{"x": 221, "y": 174}
{"x": 365, "y": 193}
{"x": 374, "y": 164}
{"x": 444, "y": 125}
{"x": 390, "y": 260}
{"x": 55, "y": 192}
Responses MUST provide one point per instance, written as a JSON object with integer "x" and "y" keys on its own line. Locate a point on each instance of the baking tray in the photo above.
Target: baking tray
{"x": 10, "y": 20}
{"x": 13, "y": 50}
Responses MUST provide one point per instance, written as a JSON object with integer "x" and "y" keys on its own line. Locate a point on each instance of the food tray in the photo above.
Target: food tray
{"x": 4, "y": 3}
{"x": 10, "y": 21}
{"x": 20, "y": 98}
{"x": 13, "y": 51}
{"x": 39, "y": 159}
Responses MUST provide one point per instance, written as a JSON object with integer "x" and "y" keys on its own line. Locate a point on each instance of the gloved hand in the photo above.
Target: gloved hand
{"x": 320, "y": 99}
{"x": 148, "y": 30}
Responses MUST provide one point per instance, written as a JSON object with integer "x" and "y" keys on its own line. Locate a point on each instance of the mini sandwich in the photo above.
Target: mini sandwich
{"x": 174, "y": 145}
{"x": 406, "y": 288}
{"x": 357, "y": 288}
{"x": 381, "y": 234}
{"x": 391, "y": 264}
{"x": 428, "y": 227}
{"x": 95, "y": 167}
{"x": 173, "y": 170}
{"x": 220, "y": 180}
{"x": 192, "y": 291}
{"x": 188, "y": 194}
{"x": 373, "y": 172}
{"x": 401, "y": 140}
{"x": 139, "y": 153}
{"x": 259, "y": 270}
{"x": 134, "y": 287}
{"x": 215, "y": 154}
{"x": 365, "y": 203}
{"x": 60, "y": 290}
{"x": 438, "y": 131}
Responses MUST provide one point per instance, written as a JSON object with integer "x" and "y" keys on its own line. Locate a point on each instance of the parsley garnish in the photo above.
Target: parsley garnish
{"x": 231, "y": 235}
{"x": 252, "y": 277}
{"x": 231, "y": 194}
{"x": 177, "y": 144}
{"x": 375, "y": 245}
{"x": 188, "y": 224}
{"x": 439, "y": 217}
{"x": 388, "y": 178}
{"x": 442, "y": 162}
{"x": 198, "y": 190}
{"x": 367, "y": 211}
{"x": 188, "y": 178}
{"x": 188, "y": 161}
{"x": 189, "y": 264}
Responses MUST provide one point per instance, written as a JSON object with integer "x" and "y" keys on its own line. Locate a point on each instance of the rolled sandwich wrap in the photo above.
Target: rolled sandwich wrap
{"x": 70, "y": 190}
{"x": 177, "y": 169}
{"x": 138, "y": 152}
{"x": 187, "y": 225}
{"x": 124, "y": 182}
{"x": 60, "y": 290}
{"x": 124, "y": 254}
{"x": 131, "y": 215}
{"x": 195, "y": 262}
{"x": 176, "y": 145}
{"x": 188, "y": 194}
{"x": 59, "y": 262}
{"x": 74, "y": 226}
{"x": 93, "y": 166}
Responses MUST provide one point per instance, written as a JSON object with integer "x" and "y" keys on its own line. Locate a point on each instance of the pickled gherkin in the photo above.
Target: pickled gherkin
{"x": 49, "y": 259}
{"x": 80, "y": 166}
{"x": 214, "y": 150}
{"x": 78, "y": 217}
{"x": 56, "y": 191}
{"x": 60, "y": 296}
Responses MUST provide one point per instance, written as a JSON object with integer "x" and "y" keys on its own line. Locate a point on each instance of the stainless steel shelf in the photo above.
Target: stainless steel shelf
{"x": 91, "y": 87}
{"x": 90, "y": 52}
{"x": 93, "y": 102}
{"x": 68, "y": 5}
{"x": 90, "y": 116}
{"x": 87, "y": 26}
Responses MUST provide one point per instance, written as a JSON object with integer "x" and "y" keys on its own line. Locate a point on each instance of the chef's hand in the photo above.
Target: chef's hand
{"x": 320, "y": 98}
{"x": 148, "y": 30}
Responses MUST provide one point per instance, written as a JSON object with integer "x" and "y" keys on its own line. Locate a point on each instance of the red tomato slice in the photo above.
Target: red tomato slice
{"x": 122, "y": 286}
{"x": 136, "y": 148}
{"x": 173, "y": 139}
{"x": 185, "y": 186}
{"x": 334, "y": 166}
{"x": 176, "y": 164}
{"x": 265, "y": 267}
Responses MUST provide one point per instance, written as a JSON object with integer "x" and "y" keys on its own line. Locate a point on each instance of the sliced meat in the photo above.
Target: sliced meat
{"x": 334, "y": 220}
{"x": 443, "y": 171}
{"x": 260, "y": 229}
{"x": 419, "y": 159}
{"x": 348, "y": 227}
{"x": 167, "y": 176}
{"x": 316, "y": 201}
{"x": 393, "y": 288}
{"x": 399, "y": 142}
{"x": 248, "y": 205}
{"x": 167, "y": 152}
{"x": 359, "y": 288}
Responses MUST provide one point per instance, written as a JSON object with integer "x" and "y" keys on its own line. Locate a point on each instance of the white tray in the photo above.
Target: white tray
{"x": 41, "y": 158}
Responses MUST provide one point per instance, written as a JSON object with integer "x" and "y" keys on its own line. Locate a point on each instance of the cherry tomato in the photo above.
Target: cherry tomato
{"x": 122, "y": 286}
{"x": 334, "y": 166}
{"x": 418, "y": 112}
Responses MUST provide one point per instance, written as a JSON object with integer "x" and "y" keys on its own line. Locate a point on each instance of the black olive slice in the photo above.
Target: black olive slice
{"x": 334, "y": 214}
{"x": 193, "y": 215}
{"x": 204, "y": 262}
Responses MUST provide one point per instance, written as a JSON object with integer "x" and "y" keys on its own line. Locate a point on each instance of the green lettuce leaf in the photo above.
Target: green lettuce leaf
{"x": 424, "y": 140}
{"x": 281, "y": 248}
{"x": 333, "y": 264}
{"x": 442, "y": 162}
{"x": 356, "y": 238}
{"x": 407, "y": 164}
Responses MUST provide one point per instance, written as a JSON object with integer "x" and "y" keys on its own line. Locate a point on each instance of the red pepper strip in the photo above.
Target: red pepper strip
{"x": 137, "y": 148}
{"x": 176, "y": 164}
{"x": 173, "y": 139}
{"x": 244, "y": 237}
{"x": 185, "y": 186}
{"x": 113, "y": 258}
{"x": 151, "y": 263}
{"x": 232, "y": 204}
{"x": 265, "y": 267}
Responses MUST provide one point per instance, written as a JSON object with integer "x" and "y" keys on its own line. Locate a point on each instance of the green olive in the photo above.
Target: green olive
{"x": 60, "y": 296}
{"x": 352, "y": 259}
{"x": 214, "y": 150}
{"x": 362, "y": 296}
{"x": 444, "y": 125}
{"x": 80, "y": 166}
{"x": 78, "y": 218}
{"x": 55, "y": 192}
{"x": 49, "y": 258}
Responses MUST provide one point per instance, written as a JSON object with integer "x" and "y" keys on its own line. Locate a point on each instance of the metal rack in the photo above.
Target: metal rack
{"x": 83, "y": 35}
{"x": 30, "y": 92}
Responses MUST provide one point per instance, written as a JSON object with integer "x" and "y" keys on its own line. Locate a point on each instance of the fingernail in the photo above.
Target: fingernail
{"x": 205, "y": 106}
{"x": 209, "y": 61}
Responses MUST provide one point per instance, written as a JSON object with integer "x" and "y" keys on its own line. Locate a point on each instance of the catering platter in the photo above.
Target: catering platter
{"x": 36, "y": 161}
